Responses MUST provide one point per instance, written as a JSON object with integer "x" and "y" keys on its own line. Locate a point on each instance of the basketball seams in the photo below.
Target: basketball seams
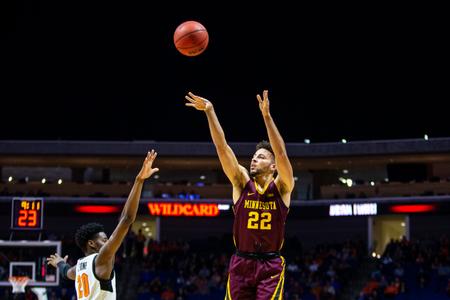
{"x": 190, "y": 47}
{"x": 187, "y": 34}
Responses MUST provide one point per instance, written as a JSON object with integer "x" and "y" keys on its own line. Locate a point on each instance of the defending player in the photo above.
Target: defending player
{"x": 94, "y": 273}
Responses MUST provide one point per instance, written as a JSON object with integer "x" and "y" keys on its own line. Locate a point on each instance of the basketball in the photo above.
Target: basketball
{"x": 191, "y": 38}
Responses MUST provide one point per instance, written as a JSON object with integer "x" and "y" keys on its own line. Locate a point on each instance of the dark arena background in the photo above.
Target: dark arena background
{"x": 356, "y": 92}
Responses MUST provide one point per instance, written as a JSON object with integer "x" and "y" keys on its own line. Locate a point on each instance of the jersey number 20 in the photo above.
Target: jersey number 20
{"x": 82, "y": 285}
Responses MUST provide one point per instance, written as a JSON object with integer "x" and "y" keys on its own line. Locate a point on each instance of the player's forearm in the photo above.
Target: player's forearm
{"x": 275, "y": 139}
{"x": 131, "y": 206}
{"x": 217, "y": 134}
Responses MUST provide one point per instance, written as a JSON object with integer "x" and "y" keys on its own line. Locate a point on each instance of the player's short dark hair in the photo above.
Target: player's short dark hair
{"x": 265, "y": 145}
{"x": 87, "y": 232}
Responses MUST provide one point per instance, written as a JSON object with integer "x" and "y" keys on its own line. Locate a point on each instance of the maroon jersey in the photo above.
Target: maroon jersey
{"x": 259, "y": 219}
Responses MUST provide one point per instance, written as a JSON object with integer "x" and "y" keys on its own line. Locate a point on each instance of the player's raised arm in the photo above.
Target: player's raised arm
{"x": 285, "y": 176}
{"x": 235, "y": 173}
{"x": 105, "y": 261}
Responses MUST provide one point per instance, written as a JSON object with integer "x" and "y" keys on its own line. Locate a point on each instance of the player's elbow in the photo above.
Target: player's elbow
{"x": 127, "y": 220}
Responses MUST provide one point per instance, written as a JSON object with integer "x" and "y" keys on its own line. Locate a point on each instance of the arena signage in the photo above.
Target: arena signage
{"x": 177, "y": 209}
{"x": 97, "y": 209}
{"x": 364, "y": 209}
{"x": 412, "y": 208}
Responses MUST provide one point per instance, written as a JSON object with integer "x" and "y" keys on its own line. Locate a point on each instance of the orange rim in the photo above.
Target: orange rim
{"x": 18, "y": 278}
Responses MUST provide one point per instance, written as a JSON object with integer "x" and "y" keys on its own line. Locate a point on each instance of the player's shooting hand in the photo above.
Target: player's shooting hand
{"x": 264, "y": 103}
{"x": 147, "y": 170}
{"x": 54, "y": 259}
{"x": 198, "y": 102}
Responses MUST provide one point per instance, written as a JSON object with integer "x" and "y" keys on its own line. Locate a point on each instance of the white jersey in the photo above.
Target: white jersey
{"x": 88, "y": 286}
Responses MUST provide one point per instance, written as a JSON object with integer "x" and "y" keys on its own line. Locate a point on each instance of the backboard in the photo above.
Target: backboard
{"x": 28, "y": 258}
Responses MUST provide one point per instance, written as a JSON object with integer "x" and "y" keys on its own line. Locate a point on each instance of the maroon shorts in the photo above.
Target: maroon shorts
{"x": 253, "y": 279}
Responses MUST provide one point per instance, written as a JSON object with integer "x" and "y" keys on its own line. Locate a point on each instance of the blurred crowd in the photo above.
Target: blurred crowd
{"x": 409, "y": 268}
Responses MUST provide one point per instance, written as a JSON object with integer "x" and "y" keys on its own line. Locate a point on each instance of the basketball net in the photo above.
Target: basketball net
{"x": 18, "y": 283}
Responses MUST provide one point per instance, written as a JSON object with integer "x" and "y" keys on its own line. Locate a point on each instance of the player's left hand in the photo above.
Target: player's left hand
{"x": 54, "y": 259}
{"x": 264, "y": 103}
{"x": 147, "y": 170}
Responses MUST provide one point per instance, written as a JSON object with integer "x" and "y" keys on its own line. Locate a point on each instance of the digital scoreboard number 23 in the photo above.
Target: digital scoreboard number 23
{"x": 27, "y": 213}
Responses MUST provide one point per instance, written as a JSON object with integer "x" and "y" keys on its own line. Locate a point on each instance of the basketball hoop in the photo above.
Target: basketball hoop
{"x": 18, "y": 283}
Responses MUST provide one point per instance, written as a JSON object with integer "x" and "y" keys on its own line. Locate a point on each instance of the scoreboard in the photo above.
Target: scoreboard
{"x": 27, "y": 213}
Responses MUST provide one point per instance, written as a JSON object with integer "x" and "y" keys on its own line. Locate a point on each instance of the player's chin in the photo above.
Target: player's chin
{"x": 253, "y": 172}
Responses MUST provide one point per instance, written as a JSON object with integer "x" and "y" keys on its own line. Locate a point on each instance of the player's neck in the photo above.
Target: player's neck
{"x": 262, "y": 180}
{"x": 90, "y": 252}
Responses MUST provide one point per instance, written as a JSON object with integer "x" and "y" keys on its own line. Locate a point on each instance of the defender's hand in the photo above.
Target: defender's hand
{"x": 147, "y": 170}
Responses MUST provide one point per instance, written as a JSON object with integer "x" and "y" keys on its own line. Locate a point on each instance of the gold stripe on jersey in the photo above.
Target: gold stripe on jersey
{"x": 282, "y": 244}
{"x": 228, "y": 293}
{"x": 262, "y": 190}
{"x": 278, "y": 294}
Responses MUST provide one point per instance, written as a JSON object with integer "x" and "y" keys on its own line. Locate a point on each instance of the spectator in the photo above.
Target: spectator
{"x": 139, "y": 245}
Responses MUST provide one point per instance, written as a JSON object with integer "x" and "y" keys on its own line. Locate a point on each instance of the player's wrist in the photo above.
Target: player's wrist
{"x": 209, "y": 108}
{"x": 267, "y": 115}
{"x": 63, "y": 268}
{"x": 139, "y": 179}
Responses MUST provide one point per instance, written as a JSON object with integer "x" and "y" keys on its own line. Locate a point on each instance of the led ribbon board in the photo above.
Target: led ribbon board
{"x": 364, "y": 209}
